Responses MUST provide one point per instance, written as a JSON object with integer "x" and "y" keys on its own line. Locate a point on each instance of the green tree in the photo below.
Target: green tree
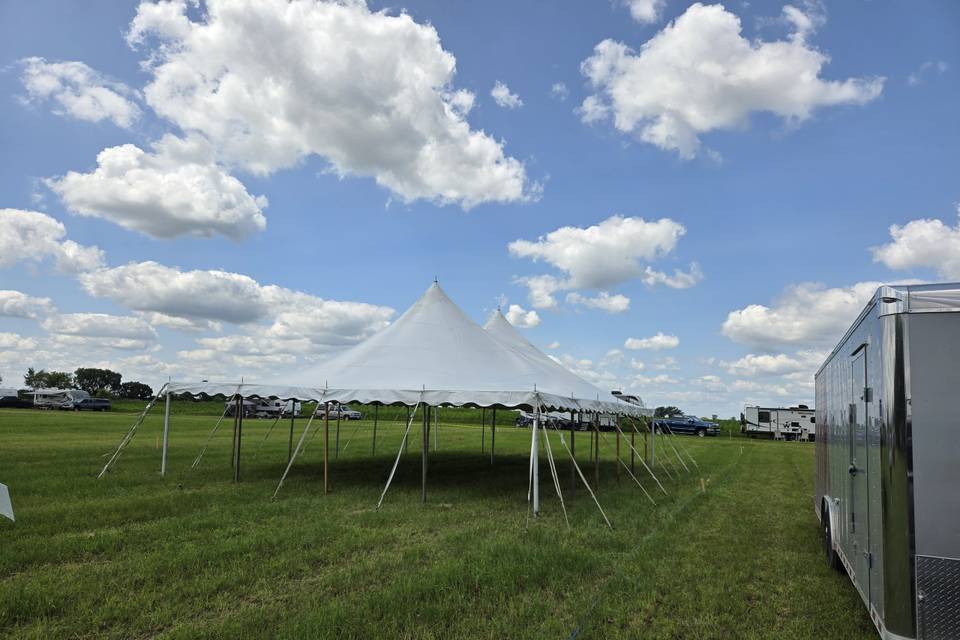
{"x": 33, "y": 378}
{"x": 136, "y": 391}
{"x": 95, "y": 381}
{"x": 667, "y": 412}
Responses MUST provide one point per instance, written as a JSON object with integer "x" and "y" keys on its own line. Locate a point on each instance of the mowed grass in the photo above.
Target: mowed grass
{"x": 195, "y": 555}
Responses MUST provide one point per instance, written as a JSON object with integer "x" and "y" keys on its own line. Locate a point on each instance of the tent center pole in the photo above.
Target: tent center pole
{"x": 166, "y": 436}
{"x": 326, "y": 447}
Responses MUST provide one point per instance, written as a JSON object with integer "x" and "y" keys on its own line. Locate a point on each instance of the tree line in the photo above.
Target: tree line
{"x": 96, "y": 382}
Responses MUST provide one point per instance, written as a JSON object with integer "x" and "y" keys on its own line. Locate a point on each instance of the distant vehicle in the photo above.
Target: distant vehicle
{"x": 551, "y": 419}
{"x": 263, "y": 407}
{"x": 686, "y": 424}
{"x": 86, "y": 404}
{"x": 790, "y": 423}
{"x": 54, "y": 398}
{"x": 342, "y": 411}
{"x": 10, "y": 399}
{"x": 887, "y": 478}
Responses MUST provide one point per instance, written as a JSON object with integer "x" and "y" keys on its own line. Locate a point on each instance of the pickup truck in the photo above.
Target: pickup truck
{"x": 86, "y": 404}
{"x": 340, "y": 410}
{"x": 686, "y": 424}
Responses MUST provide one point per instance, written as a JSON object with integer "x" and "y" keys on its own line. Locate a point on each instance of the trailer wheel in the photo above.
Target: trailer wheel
{"x": 833, "y": 558}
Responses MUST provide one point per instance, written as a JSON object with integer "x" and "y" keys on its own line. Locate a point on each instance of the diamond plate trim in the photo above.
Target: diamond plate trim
{"x": 938, "y": 598}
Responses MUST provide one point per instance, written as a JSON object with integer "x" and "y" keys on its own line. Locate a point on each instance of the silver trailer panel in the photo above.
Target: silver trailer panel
{"x": 888, "y": 459}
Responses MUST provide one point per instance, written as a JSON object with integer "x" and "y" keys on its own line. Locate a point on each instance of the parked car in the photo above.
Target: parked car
{"x": 87, "y": 404}
{"x": 686, "y": 424}
{"x": 10, "y": 399}
{"x": 342, "y": 411}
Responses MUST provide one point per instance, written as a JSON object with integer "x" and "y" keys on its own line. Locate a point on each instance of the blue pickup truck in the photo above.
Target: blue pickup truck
{"x": 688, "y": 425}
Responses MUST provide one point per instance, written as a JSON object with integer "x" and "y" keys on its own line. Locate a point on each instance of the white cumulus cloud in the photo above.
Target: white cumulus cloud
{"x": 520, "y": 317}
{"x": 617, "y": 303}
{"x": 174, "y": 190}
{"x": 646, "y": 11}
{"x": 272, "y": 82}
{"x": 699, "y": 74}
{"x": 77, "y": 91}
{"x": 559, "y": 91}
{"x": 923, "y": 243}
{"x": 101, "y": 329}
{"x": 656, "y": 342}
{"x": 16, "y": 304}
{"x": 31, "y": 236}
{"x": 504, "y": 97}
{"x": 807, "y": 314}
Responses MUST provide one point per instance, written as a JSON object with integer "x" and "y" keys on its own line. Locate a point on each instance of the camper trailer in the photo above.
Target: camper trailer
{"x": 54, "y": 398}
{"x": 887, "y": 452}
{"x": 779, "y": 423}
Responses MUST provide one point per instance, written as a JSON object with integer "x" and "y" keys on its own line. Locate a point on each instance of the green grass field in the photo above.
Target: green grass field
{"x": 194, "y": 555}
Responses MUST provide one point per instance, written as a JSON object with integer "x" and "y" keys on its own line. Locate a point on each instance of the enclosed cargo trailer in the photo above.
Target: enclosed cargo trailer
{"x": 888, "y": 459}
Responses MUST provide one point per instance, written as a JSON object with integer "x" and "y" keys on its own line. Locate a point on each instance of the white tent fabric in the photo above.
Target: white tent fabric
{"x": 435, "y": 354}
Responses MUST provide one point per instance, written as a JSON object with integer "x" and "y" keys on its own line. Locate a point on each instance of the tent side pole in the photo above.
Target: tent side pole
{"x": 483, "y": 429}
{"x": 423, "y": 453}
{"x": 573, "y": 454}
{"x": 633, "y": 452}
{"x": 436, "y": 429}
{"x": 166, "y": 436}
{"x": 493, "y": 435}
{"x": 236, "y": 468}
{"x": 618, "y": 447}
{"x": 535, "y": 460}
{"x": 406, "y": 443}
{"x": 293, "y": 417}
{"x": 376, "y": 416}
{"x": 326, "y": 447}
{"x": 339, "y": 413}
{"x": 596, "y": 450}
{"x": 653, "y": 444}
{"x": 237, "y": 407}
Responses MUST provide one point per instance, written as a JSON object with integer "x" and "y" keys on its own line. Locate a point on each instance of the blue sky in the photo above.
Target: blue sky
{"x": 775, "y": 153}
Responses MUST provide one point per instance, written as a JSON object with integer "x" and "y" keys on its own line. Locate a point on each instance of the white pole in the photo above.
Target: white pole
{"x": 535, "y": 457}
{"x": 166, "y": 436}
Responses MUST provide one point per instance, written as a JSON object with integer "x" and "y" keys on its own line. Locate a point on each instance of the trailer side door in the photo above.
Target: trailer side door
{"x": 858, "y": 470}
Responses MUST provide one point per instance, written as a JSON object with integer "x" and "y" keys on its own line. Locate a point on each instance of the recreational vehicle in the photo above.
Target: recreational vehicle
{"x": 53, "y": 398}
{"x": 888, "y": 459}
{"x": 780, "y": 423}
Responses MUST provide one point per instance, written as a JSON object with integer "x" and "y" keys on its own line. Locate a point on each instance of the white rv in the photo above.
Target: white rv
{"x": 53, "y": 398}
{"x": 780, "y": 423}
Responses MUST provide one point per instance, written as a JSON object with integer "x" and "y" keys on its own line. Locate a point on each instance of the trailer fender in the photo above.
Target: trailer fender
{"x": 828, "y": 525}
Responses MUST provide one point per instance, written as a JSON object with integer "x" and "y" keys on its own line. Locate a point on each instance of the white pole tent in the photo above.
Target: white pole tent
{"x": 433, "y": 355}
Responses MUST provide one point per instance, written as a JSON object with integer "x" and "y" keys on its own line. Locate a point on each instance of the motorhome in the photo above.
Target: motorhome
{"x": 887, "y": 453}
{"x": 779, "y": 423}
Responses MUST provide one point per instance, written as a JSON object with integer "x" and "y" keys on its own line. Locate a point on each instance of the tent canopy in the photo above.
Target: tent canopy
{"x": 437, "y": 355}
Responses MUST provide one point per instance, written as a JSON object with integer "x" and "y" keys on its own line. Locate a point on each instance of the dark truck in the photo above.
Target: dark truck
{"x": 689, "y": 425}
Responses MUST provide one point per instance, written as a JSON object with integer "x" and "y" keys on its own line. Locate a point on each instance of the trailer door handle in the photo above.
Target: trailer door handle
{"x": 852, "y": 470}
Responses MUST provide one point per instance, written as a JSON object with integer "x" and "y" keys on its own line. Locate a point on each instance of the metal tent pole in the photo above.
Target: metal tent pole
{"x": 236, "y": 467}
{"x": 423, "y": 453}
{"x": 293, "y": 416}
{"x": 483, "y": 429}
{"x": 535, "y": 460}
{"x": 406, "y": 443}
{"x": 493, "y": 434}
{"x": 326, "y": 446}
{"x": 233, "y": 443}
{"x": 618, "y": 447}
{"x": 166, "y": 436}
{"x": 573, "y": 453}
{"x": 436, "y": 429}
{"x": 633, "y": 450}
{"x": 596, "y": 450}
{"x": 376, "y": 415}
{"x": 339, "y": 413}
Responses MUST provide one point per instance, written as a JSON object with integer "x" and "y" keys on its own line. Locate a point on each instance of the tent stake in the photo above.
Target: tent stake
{"x": 166, "y": 436}
{"x": 376, "y": 415}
